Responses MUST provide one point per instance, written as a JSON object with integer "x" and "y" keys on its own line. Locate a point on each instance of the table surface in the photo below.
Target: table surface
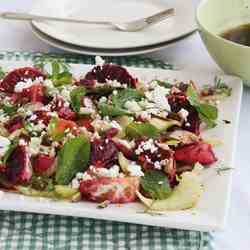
{"x": 191, "y": 55}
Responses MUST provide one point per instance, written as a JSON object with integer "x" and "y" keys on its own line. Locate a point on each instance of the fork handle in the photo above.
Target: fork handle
{"x": 31, "y": 17}
{"x": 160, "y": 16}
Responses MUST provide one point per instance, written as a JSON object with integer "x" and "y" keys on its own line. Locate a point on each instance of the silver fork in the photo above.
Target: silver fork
{"x": 130, "y": 26}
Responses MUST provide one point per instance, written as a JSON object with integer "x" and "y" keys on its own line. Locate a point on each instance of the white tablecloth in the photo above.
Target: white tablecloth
{"x": 191, "y": 55}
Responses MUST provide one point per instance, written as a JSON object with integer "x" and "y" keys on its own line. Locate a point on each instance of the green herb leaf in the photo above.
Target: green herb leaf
{"x": 220, "y": 87}
{"x": 59, "y": 71}
{"x": 207, "y": 113}
{"x": 9, "y": 108}
{"x": 72, "y": 158}
{"x": 136, "y": 130}
{"x": 113, "y": 111}
{"x": 125, "y": 95}
{"x": 156, "y": 184}
{"x": 218, "y": 91}
{"x": 118, "y": 102}
{"x": 63, "y": 78}
{"x": 75, "y": 96}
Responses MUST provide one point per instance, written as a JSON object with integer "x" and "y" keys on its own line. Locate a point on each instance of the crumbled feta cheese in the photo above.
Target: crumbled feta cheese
{"x": 34, "y": 145}
{"x": 115, "y": 92}
{"x": 4, "y": 118}
{"x": 51, "y": 89}
{"x": 114, "y": 83}
{"x": 20, "y": 86}
{"x": 153, "y": 84}
{"x": 4, "y": 145}
{"x": 47, "y": 150}
{"x": 65, "y": 93}
{"x": 115, "y": 124}
{"x": 163, "y": 146}
{"x": 86, "y": 111}
{"x": 99, "y": 61}
{"x": 112, "y": 172}
{"x": 123, "y": 142}
{"x": 38, "y": 127}
{"x": 101, "y": 125}
{"x": 87, "y": 102}
{"x": 33, "y": 117}
{"x": 75, "y": 184}
{"x": 146, "y": 146}
{"x": 158, "y": 96}
{"x": 183, "y": 113}
{"x": 144, "y": 115}
{"x": 53, "y": 114}
{"x": 134, "y": 169}
{"x": 103, "y": 99}
{"x": 132, "y": 106}
{"x": 22, "y": 142}
{"x": 157, "y": 165}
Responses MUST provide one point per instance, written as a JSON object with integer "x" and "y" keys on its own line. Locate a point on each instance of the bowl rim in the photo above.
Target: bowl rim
{"x": 201, "y": 3}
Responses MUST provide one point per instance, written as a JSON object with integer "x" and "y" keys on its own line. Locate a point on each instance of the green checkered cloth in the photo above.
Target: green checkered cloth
{"x": 26, "y": 231}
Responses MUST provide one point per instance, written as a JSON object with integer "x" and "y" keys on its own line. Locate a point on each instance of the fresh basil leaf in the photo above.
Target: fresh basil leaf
{"x": 136, "y": 130}
{"x": 111, "y": 110}
{"x": 208, "y": 110}
{"x": 207, "y": 113}
{"x": 72, "y": 158}
{"x": 75, "y": 97}
{"x": 210, "y": 123}
{"x": 118, "y": 102}
{"x": 28, "y": 126}
{"x": 125, "y": 95}
{"x": 8, "y": 108}
{"x": 156, "y": 184}
{"x": 63, "y": 78}
{"x": 58, "y": 72}
{"x": 55, "y": 69}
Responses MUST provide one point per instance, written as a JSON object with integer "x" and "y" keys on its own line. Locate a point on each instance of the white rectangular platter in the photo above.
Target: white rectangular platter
{"x": 211, "y": 212}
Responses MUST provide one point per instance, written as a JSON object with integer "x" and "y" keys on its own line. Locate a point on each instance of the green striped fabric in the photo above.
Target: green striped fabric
{"x": 26, "y": 231}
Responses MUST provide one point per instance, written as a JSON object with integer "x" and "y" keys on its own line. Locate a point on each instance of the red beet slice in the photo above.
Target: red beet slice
{"x": 111, "y": 72}
{"x": 44, "y": 165}
{"x": 197, "y": 152}
{"x": 179, "y": 101}
{"x": 17, "y": 75}
{"x": 14, "y": 124}
{"x": 18, "y": 166}
{"x": 103, "y": 153}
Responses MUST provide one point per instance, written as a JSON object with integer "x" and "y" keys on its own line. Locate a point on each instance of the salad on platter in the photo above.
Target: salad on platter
{"x": 105, "y": 137}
